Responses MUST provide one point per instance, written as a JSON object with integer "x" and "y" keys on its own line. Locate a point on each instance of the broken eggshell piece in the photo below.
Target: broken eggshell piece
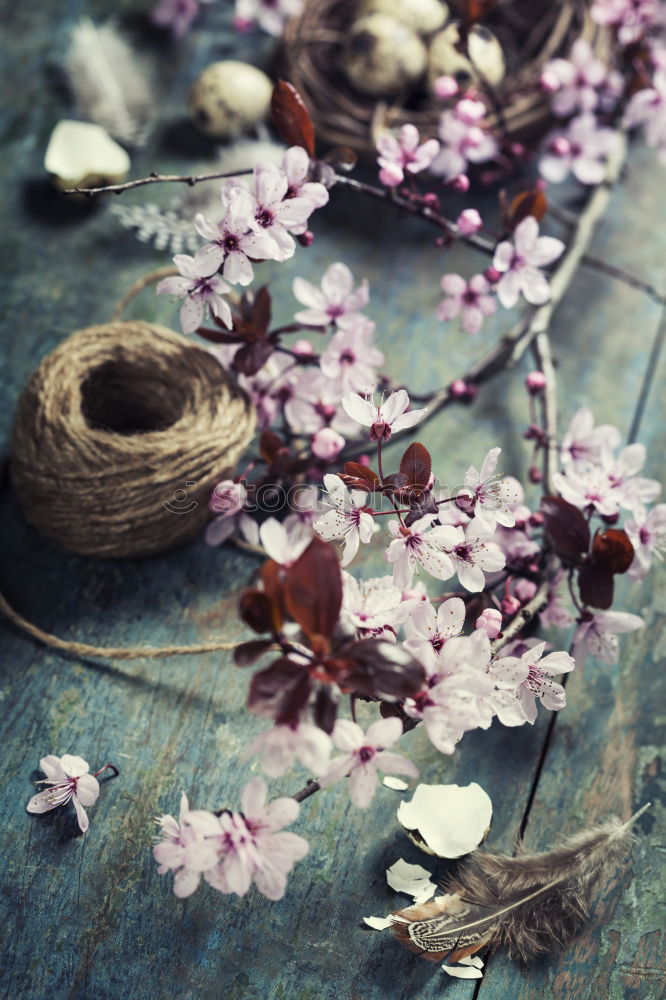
{"x": 448, "y": 821}
{"x": 80, "y": 154}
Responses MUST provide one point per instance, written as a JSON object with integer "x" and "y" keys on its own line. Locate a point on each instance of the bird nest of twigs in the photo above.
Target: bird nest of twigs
{"x": 530, "y": 33}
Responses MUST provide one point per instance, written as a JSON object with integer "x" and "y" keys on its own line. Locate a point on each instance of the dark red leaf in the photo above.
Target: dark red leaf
{"x": 380, "y": 669}
{"x": 270, "y": 444}
{"x": 324, "y": 709}
{"x": 596, "y": 586}
{"x": 532, "y": 202}
{"x": 256, "y": 609}
{"x": 568, "y": 530}
{"x": 281, "y": 691}
{"x": 420, "y": 504}
{"x": 291, "y": 117}
{"x": 416, "y": 465}
{"x": 360, "y": 477}
{"x": 250, "y": 358}
{"x": 313, "y": 592}
{"x": 475, "y": 10}
{"x": 219, "y": 336}
{"x": 249, "y": 652}
{"x": 613, "y": 550}
{"x": 394, "y": 482}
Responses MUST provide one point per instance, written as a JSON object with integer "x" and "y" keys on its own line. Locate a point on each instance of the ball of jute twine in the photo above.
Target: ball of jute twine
{"x": 119, "y": 437}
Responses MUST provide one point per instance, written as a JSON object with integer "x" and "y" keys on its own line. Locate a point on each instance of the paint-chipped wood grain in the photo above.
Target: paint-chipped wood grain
{"x": 89, "y": 917}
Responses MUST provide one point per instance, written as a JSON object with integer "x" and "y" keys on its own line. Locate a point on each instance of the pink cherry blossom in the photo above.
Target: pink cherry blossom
{"x": 296, "y": 166}
{"x": 281, "y": 745}
{"x": 315, "y": 403}
{"x": 337, "y": 301}
{"x": 364, "y": 755}
{"x": 372, "y": 607}
{"x": 475, "y": 553}
{"x": 611, "y": 484}
{"x": 177, "y": 15}
{"x": 582, "y": 148}
{"x": 184, "y": 848}
{"x": 235, "y": 238}
{"x": 531, "y": 677}
{"x": 270, "y": 15}
{"x": 648, "y": 108}
{"x": 488, "y": 499}
{"x": 326, "y": 444}
{"x": 583, "y": 442}
{"x": 575, "y": 81}
{"x": 282, "y": 545}
{"x": 647, "y": 532}
{"x": 198, "y": 290}
{"x": 70, "y": 781}
{"x": 472, "y": 300}
{"x": 253, "y": 846}
{"x": 385, "y": 418}
{"x": 430, "y": 630}
{"x": 349, "y": 517}
{"x": 277, "y": 214}
{"x": 404, "y": 153}
{"x": 520, "y": 263}
{"x": 421, "y": 545}
{"x": 596, "y": 634}
{"x": 272, "y": 387}
{"x": 463, "y": 140}
{"x": 556, "y": 614}
{"x": 227, "y": 501}
{"x": 631, "y": 18}
{"x": 351, "y": 359}
{"x": 490, "y": 620}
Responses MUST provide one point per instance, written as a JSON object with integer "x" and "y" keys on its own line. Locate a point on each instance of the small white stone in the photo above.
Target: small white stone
{"x": 447, "y": 820}
{"x": 422, "y": 16}
{"x": 80, "y": 154}
{"x": 486, "y": 57}
{"x": 228, "y": 98}
{"x": 383, "y": 56}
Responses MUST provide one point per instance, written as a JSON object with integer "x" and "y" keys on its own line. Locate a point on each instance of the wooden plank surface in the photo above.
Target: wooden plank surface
{"x": 89, "y": 917}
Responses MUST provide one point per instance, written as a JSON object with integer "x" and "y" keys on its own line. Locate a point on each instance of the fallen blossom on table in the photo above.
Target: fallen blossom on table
{"x": 69, "y": 780}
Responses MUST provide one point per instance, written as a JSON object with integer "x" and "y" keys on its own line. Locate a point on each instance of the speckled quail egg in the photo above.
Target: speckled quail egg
{"x": 486, "y": 58}
{"x": 228, "y": 98}
{"x": 422, "y": 16}
{"x": 382, "y": 56}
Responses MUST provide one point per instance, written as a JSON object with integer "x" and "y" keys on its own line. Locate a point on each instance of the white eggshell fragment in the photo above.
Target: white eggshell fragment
{"x": 80, "y": 154}
{"x": 447, "y": 820}
{"x": 485, "y": 62}
{"x": 228, "y": 98}
{"x": 378, "y": 923}
{"x": 422, "y": 16}
{"x": 413, "y": 880}
{"x": 382, "y": 56}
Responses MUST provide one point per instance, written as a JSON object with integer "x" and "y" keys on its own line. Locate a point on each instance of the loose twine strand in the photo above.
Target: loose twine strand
{"x": 114, "y": 422}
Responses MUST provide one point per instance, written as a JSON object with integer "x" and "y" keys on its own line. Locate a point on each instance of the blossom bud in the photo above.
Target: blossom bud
{"x": 364, "y": 460}
{"x": 469, "y": 222}
{"x": 536, "y": 519}
{"x": 492, "y": 275}
{"x": 550, "y": 82}
{"x": 517, "y": 149}
{"x": 445, "y": 87}
{"x": 510, "y": 606}
{"x": 431, "y": 200}
{"x": 306, "y": 239}
{"x": 391, "y": 175}
{"x": 490, "y": 621}
{"x": 560, "y": 146}
{"x": 535, "y": 382}
{"x": 535, "y": 474}
{"x": 459, "y": 389}
{"x": 242, "y": 24}
{"x": 460, "y": 183}
{"x": 327, "y": 444}
{"x": 303, "y": 348}
{"x": 470, "y": 111}
{"x": 525, "y": 590}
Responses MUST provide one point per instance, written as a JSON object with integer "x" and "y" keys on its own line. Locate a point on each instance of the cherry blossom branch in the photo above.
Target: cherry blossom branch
{"x": 510, "y": 349}
{"x": 544, "y": 359}
{"x": 624, "y": 276}
{"x": 154, "y": 178}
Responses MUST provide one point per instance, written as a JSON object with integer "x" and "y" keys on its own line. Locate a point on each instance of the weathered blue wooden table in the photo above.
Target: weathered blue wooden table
{"x": 90, "y": 918}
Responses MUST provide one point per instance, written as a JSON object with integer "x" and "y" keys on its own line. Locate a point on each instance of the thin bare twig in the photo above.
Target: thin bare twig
{"x": 621, "y": 275}
{"x": 189, "y": 179}
{"x": 544, "y": 360}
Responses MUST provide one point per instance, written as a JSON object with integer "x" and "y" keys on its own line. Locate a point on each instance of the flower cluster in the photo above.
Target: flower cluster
{"x": 231, "y": 850}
